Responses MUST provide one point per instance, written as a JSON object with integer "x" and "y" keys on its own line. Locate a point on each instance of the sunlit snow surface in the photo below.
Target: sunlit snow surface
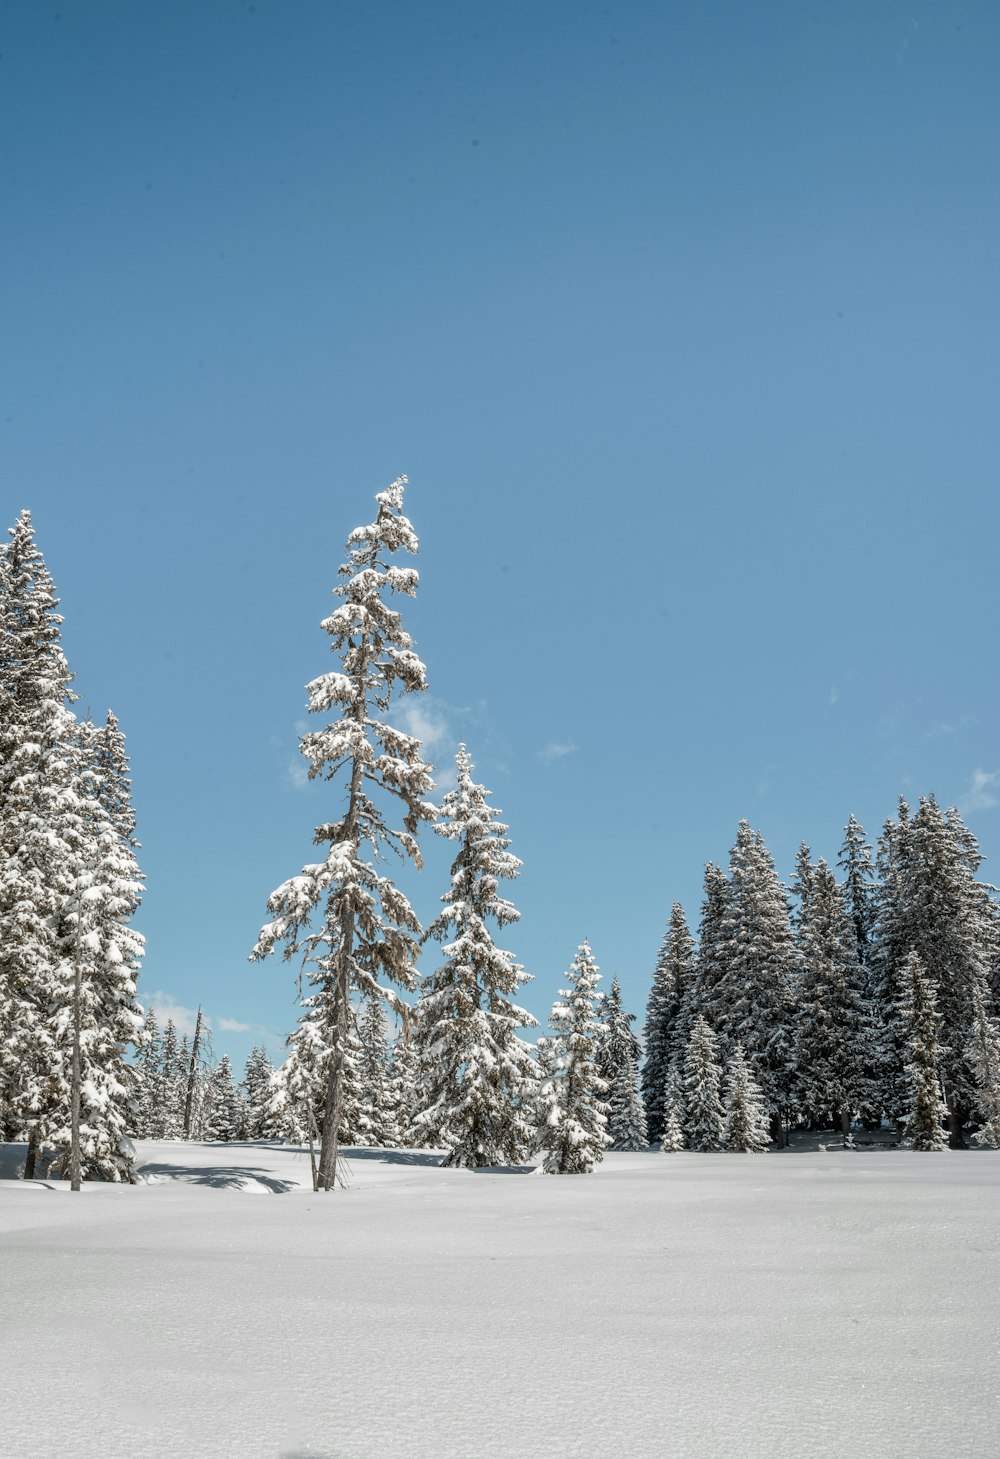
{"x": 684, "y": 1306}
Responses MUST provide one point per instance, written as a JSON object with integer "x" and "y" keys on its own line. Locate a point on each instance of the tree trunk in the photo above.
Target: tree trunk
{"x": 777, "y": 1131}
{"x": 956, "y": 1119}
{"x": 845, "y": 1125}
{"x": 74, "y": 1125}
{"x": 334, "y": 1105}
{"x": 192, "y": 1070}
{"x": 32, "y": 1155}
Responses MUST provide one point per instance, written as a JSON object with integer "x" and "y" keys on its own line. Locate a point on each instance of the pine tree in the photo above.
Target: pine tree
{"x": 855, "y": 862}
{"x": 702, "y": 1084}
{"x": 376, "y": 1122}
{"x": 708, "y": 985}
{"x": 37, "y": 732}
{"x": 746, "y": 1122}
{"x": 675, "y": 971}
{"x": 983, "y": 1058}
{"x": 172, "y": 1108}
{"x": 617, "y": 1058}
{"x": 256, "y": 1090}
{"x": 573, "y": 1133}
{"x": 834, "y": 1039}
{"x": 931, "y": 903}
{"x": 403, "y": 1088}
{"x": 477, "y": 1077}
{"x": 99, "y": 1017}
{"x": 672, "y": 1135}
{"x": 149, "y": 1095}
{"x": 368, "y": 929}
{"x": 69, "y": 886}
{"x": 751, "y": 1002}
{"x": 802, "y": 881}
{"x": 225, "y": 1114}
{"x": 921, "y": 1023}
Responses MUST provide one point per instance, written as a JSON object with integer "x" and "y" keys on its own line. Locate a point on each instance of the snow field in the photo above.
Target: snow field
{"x": 690, "y": 1306}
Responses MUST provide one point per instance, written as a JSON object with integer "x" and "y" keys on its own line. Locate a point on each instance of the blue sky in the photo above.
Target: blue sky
{"x": 682, "y": 320}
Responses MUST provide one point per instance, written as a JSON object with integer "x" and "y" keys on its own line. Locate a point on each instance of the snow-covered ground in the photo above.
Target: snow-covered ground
{"x": 684, "y": 1306}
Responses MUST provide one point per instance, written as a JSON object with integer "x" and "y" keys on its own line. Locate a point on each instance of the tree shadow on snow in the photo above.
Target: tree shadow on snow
{"x": 390, "y": 1157}
{"x": 219, "y": 1177}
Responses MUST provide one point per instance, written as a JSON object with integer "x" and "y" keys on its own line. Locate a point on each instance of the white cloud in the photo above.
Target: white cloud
{"x": 426, "y": 720}
{"x": 233, "y": 1025}
{"x": 297, "y": 766}
{"x": 165, "y": 1006}
{"x": 556, "y": 750}
{"x": 983, "y": 793}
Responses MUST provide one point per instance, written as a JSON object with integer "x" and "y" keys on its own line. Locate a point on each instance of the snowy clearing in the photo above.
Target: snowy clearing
{"x": 690, "y": 1306}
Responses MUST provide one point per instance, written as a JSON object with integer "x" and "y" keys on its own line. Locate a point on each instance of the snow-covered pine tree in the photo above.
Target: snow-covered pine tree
{"x": 300, "y": 1085}
{"x": 855, "y": 862}
{"x": 704, "y": 989}
{"x": 921, "y": 1024}
{"x": 573, "y": 1130}
{"x": 368, "y": 928}
{"x": 104, "y": 952}
{"x": 887, "y": 951}
{"x": 705, "y": 1121}
{"x": 746, "y": 1126}
{"x": 751, "y": 1003}
{"x": 256, "y": 1089}
{"x": 931, "y": 903}
{"x": 672, "y": 1133}
{"x": 376, "y": 1122}
{"x": 675, "y": 971}
{"x": 834, "y": 1035}
{"x": 477, "y": 1078}
{"x": 403, "y": 1087}
{"x": 149, "y": 1094}
{"x": 225, "y": 1115}
{"x": 983, "y": 1058}
{"x": 802, "y": 882}
{"x": 617, "y": 1058}
{"x": 37, "y": 731}
{"x": 172, "y": 1107}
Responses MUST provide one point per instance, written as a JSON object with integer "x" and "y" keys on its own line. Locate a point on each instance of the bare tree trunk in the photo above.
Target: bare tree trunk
{"x": 777, "y": 1131}
{"x": 192, "y": 1070}
{"x": 956, "y": 1119}
{"x": 313, "y": 1132}
{"x": 334, "y": 1103}
{"x": 32, "y": 1155}
{"x": 74, "y": 1123}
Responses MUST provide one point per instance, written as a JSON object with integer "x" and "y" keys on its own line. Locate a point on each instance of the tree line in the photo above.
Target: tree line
{"x": 863, "y": 998}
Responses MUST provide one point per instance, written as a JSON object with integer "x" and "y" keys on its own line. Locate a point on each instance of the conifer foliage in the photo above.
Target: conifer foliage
{"x": 477, "y": 1078}
{"x": 69, "y": 887}
{"x": 745, "y": 1128}
{"x": 921, "y": 1024}
{"x": 670, "y": 994}
{"x": 834, "y": 1033}
{"x": 367, "y": 929}
{"x": 573, "y": 1132}
{"x": 702, "y": 1087}
{"x": 618, "y": 1052}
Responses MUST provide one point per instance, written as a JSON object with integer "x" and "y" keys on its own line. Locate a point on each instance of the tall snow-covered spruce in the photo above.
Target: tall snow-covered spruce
{"x": 477, "y": 1078}
{"x": 618, "y": 1052}
{"x": 573, "y": 1132}
{"x": 671, "y": 990}
{"x": 69, "y": 886}
{"x": 367, "y": 929}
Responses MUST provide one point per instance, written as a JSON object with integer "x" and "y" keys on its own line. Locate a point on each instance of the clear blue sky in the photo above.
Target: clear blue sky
{"x": 682, "y": 320}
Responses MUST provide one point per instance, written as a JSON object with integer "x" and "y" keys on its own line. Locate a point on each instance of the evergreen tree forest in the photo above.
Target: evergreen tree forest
{"x": 860, "y": 999}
